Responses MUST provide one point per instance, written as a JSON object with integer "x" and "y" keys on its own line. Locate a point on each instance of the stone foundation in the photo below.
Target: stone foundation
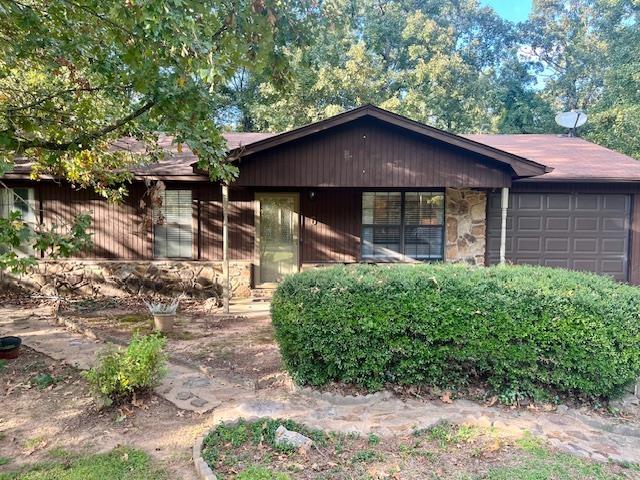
{"x": 465, "y": 225}
{"x": 138, "y": 277}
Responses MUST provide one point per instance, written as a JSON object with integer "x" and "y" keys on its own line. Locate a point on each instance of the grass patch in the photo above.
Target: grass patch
{"x": 247, "y": 451}
{"x": 44, "y": 380}
{"x": 121, "y": 463}
{"x": 261, "y": 473}
{"x": 542, "y": 464}
{"x": 367, "y": 456}
{"x": 446, "y": 434}
{"x": 260, "y": 432}
{"x": 4, "y": 461}
{"x": 3, "y": 365}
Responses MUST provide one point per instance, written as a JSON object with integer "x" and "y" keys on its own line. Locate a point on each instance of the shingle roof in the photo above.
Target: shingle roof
{"x": 175, "y": 163}
{"x": 573, "y": 159}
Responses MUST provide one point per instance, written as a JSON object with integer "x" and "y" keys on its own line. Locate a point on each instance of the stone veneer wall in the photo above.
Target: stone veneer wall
{"x": 465, "y": 225}
{"x": 136, "y": 277}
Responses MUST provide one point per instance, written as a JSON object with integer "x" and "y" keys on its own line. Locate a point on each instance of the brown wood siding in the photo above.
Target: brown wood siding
{"x": 117, "y": 229}
{"x": 367, "y": 153}
{"x": 241, "y": 223}
{"x": 330, "y": 226}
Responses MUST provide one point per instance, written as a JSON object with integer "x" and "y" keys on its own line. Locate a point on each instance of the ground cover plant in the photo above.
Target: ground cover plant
{"x": 245, "y": 451}
{"x": 121, "y": 463}
{"x": 120, "y": 374}
{"x": 523, "y": 331}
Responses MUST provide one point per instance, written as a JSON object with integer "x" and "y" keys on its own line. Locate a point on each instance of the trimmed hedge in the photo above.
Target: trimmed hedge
{"x": 526, "y": 331}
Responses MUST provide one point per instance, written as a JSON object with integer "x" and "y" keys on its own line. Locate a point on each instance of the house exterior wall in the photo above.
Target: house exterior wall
{"x": 369, "y": 154}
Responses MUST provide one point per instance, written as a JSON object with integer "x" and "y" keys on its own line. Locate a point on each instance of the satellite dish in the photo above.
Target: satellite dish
{"x": 571, "y": 120}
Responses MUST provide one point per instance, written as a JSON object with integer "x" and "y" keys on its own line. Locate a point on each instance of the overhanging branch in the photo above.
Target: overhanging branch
{"x": 88, "y": 137}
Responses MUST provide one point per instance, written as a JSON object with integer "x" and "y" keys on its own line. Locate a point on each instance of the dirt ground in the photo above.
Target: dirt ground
{"x": 46, "y": 407}
{"x": 240, "y": 345}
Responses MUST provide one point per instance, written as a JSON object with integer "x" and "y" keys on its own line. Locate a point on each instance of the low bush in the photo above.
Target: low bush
{"x": 524, "y": 331}
{"x": 121, "y": 373}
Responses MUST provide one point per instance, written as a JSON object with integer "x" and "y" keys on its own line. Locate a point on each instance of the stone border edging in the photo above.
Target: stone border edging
{"x": 339, "y": 399}
{"x": 203, "y": 471}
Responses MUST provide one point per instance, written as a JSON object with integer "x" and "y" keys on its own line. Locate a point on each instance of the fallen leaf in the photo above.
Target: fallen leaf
{"x": 446, "y": 397}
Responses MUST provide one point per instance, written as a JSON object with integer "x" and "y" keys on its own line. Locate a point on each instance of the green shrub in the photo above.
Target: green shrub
{"x": 121, "y": 373}
{"x": 526, "y": 331}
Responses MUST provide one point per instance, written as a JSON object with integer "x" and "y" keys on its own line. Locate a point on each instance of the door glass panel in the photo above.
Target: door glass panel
{"x": 278, "y": 236}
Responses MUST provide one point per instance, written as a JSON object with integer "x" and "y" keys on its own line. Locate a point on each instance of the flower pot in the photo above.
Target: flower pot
{"x": 163, "y": 322}
{"x": 10, "y": 347}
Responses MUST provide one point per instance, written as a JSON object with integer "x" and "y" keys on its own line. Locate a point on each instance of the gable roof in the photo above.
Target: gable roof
{"x": 522, "y": 167}
{"x": 565, "y": 159}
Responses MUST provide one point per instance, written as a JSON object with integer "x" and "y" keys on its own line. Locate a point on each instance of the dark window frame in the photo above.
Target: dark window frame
{"x": 403, "y": 228}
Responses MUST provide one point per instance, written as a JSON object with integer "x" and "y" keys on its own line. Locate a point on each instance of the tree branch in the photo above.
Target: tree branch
{"x": 48, "y": 145}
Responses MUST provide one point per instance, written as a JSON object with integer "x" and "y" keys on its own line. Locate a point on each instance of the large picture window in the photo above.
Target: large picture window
{"x": 172, "y": 226}
{"x": 402, "y": 225}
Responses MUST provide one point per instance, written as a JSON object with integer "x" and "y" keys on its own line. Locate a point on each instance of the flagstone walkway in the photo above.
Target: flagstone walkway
{"x": 575, "y": 431}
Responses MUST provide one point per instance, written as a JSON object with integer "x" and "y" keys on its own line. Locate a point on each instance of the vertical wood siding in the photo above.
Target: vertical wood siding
{"x": 241, "y": 223}
{"x": 117, "y": 228}
{"x": 118, "y": 231}
{"x": 330, "y": 226}
{"x": 368, "y": 153}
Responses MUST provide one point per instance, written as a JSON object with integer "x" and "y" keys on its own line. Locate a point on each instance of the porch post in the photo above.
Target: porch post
{"x": 504, "y": 204}
{"x": 226, "y": 287}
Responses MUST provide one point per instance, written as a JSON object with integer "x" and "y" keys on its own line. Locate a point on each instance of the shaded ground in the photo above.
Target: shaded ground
{"x": 241, "y": 344}
{"x": 44, "y": 413}
{"x": 249, "y": 450}
{"x": 46, "y": 408}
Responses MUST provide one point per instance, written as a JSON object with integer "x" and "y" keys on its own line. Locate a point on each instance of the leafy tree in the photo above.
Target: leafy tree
{"x": 77, "y": 75}
{"x": 434, "y": 61}
{"x": 615, "y": 116}
{"x": 588, "y": 52}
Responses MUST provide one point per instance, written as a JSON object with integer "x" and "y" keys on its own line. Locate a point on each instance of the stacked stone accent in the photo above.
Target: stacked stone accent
{"x": 465, "y": 225}
{"x": 125, "y": 278}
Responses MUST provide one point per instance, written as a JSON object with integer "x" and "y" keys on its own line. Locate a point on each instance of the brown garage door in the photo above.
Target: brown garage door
{"x": 577, "y": 231}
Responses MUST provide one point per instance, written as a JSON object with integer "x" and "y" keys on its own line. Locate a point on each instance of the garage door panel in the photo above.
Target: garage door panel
{"x": 528, "y": 244}
{"x": 557, "y": 224}
{"x": 530, "y": 224}
{"x": 586, "y": 224}
{"x": 555, "y": 262}
{"x": 587, "y": 202}
{"x": 579, "y": 231}
{"x": 585, "y": 264}
{"x": 612, "y": 224}
{"x": 616, "y": 203}
{"x": 527, "y": 202}
{"x": 616, "y": 246}
{"x": 556, "y": 245}
{"x": 585, "y": 245}
{"x": 613, "y": 266}
{"x": 557, "y": 202}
